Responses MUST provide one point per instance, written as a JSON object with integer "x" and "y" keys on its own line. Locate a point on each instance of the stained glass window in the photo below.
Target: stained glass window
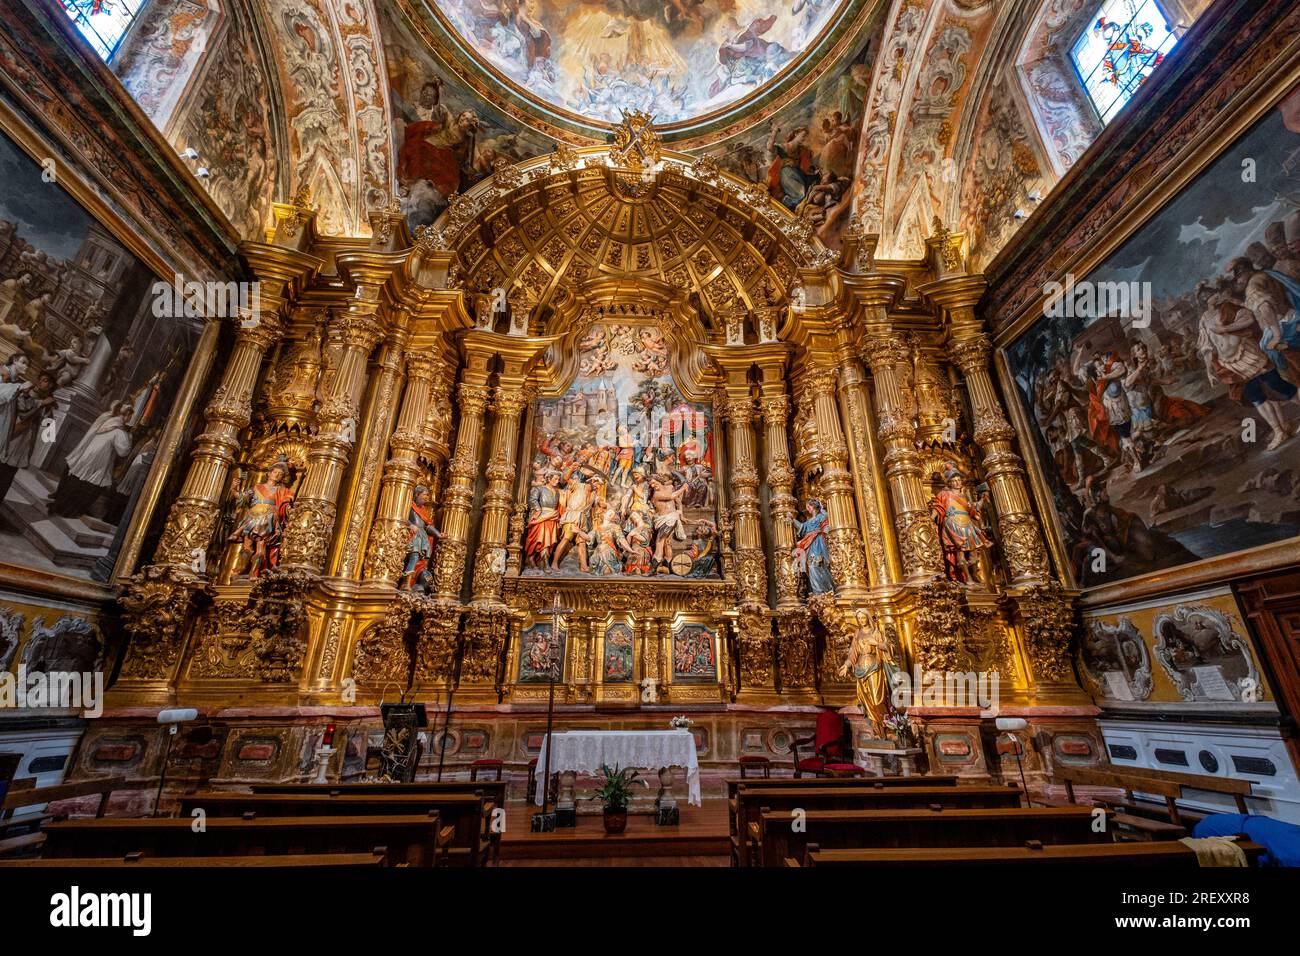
{"x": 103, "y": 22}
{"x": 1119, "y": 48}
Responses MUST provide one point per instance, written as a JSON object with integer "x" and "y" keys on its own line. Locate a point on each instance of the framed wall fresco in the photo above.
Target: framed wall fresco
{"x": 1173, "y": 437}
{"x": 83, "y": 400}
{"x": 619, "y": 647}
{"x": 539, "y": 653}
{"x": 695, "y": 650}
{"x": 622, "y": 472}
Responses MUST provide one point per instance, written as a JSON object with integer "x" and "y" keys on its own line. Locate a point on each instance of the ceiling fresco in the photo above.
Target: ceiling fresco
{"x": 681, "y": 60}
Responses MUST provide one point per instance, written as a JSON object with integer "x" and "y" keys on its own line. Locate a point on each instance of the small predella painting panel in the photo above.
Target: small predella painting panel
{"x": 1163, "y": 389}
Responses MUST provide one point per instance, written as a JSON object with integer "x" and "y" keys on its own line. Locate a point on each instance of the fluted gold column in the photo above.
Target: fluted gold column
{"x": 388, "y": 534}
{"x": 848, "y": 559}
{"x": 918, "y": 539}
{"x": 781, "y": 505}
{"x": 310, "y": 524}
{"x": 868, "y": 480}
{"x": 509, "y": 402}
{"x": 750, "y": 562}
{"x": 969, "y": 348}
{"x": 373, "y": 434}
{"x": 192, "y": 519}
{"x": 473, "y": 392}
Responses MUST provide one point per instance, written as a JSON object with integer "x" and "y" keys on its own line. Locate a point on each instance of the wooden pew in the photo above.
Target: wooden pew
{"x": 1073, "y": 854}
{"x": 465, "y": 814}
{"x": 1162, "y": 783}
{"x": 747, "y": 806}
{"x": 25, "y": 793}
{"x": 415, "y": 840}
{"x": 345, "y": 861}
{"x": 494, "y": 789}
{"x": 777, "y": 838}
{"x": 782, "y": 783}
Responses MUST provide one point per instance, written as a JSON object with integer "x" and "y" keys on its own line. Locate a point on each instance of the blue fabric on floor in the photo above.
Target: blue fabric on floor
{"x": 1281, "y": 840}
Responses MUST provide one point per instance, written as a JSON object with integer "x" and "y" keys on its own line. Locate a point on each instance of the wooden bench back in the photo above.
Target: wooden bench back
{"x": 494, "y": 789}
{"x": 467, "y": 813}
{"x": 937, "y": 780}
{"x": 1085, "y": 854}
{"x": 344, "y": 861}
{"x": 745, "y": 809}
{"x": 26, "y": 796}
{"x": 833, "y": 829}
{"x": 411, "y": 839}
{"x": 1160, "y": 782}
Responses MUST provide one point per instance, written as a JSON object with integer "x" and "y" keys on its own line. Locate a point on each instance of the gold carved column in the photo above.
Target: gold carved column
{"x": 753, "y": 626}
{"x": 509, "y": 401}
{"x": 970, "y": 350}
{"x": 462, "y": 472}
{"x": 783, "y": 509}
{"x": 373, "y": 436}
{"x": 386, "y": 549}
{"x": 868, "y": 478}
{"x": 918, "y": 539}
{"x": 311, "y": 519}
{"x": 848, "y": 559}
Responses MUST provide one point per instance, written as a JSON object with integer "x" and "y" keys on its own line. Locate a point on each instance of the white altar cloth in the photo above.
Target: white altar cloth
{"x": 584, "y": 751}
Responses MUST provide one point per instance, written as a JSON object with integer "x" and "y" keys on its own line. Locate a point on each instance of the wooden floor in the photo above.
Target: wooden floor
{"x": 700, "y": 839}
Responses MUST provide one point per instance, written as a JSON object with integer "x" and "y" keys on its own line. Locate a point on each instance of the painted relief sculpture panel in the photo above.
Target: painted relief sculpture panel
{"x": 1169, "y": 435}
{"x": 622, "y": 476}
{"x": 82, "y": 399}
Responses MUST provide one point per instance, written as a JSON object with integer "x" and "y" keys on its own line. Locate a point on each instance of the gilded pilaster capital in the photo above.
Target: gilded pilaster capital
{"x": 422, "y": 367}
{"x": 510, "y": 400}
{"x": 474, "y": 398}
{"x": 357, "y": 328}
{"x": 884, "y": 352}
{"x": 775, "y": 409}
{"x": 259, "y": 330}
{"x": 971, "y": 353}
{"x": 739, "y": 411}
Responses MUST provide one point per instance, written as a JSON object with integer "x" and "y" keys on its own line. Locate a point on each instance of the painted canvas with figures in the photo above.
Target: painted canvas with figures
{"x": 1175, "y": 441}
{"x": 88, "y": 372}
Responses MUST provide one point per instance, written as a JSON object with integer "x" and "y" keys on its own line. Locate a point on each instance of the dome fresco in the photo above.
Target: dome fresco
{"x": 676, "y": 59}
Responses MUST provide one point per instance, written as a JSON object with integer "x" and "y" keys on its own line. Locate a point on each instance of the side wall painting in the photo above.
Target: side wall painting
{"x": 1175, "y": 440}
{"x": 445, "y": 138}
{"x": 88, "y": 375}
{"x": 1193, "y": 651}
{"x": 622, "y": 467}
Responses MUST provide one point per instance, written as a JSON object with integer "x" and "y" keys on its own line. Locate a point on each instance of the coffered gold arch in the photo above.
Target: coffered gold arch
{"x": 572, "y": 227}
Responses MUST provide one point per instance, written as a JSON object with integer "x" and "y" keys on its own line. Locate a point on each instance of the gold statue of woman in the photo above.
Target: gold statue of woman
{"x": 872, "y": 665}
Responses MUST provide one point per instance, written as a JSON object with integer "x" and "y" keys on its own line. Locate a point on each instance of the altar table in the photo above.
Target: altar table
{"x": 585, "y": 751}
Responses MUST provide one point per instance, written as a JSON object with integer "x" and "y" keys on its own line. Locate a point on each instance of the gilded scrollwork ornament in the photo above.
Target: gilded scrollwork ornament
{"x": 155, "y": 606}
{"x": 1050, "y": 630}
{"x": 756, "y": 645}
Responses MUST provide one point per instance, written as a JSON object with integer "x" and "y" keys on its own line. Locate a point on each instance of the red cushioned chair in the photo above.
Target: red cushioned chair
{"x": 832, "y": 749}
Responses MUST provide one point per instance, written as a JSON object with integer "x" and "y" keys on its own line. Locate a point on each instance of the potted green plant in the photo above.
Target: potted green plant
{"x": 614, "y": 793}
